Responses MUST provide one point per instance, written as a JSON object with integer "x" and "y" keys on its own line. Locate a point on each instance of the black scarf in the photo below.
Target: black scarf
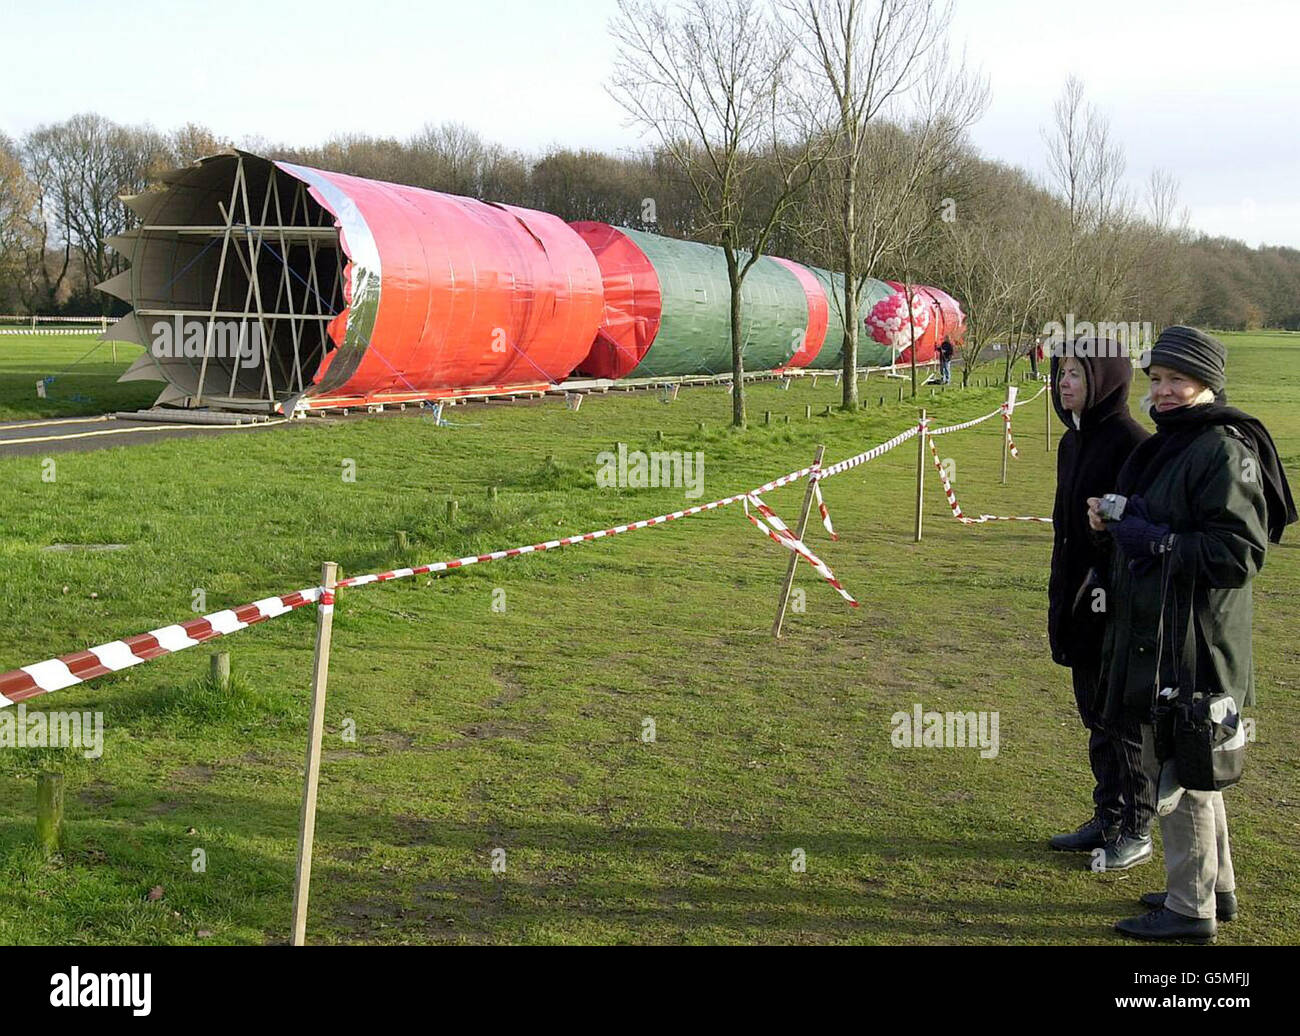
{"x": 1175, "y": 430}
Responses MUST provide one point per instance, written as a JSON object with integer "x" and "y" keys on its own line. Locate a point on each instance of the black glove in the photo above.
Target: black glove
{"x": 1139, "y": 537}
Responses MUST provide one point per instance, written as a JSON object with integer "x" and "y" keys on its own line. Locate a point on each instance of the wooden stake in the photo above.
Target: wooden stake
{"x": 307, "y": 821}
{"x": 1010, "y": 400}
{"x": 799, "y": 531}
{"x": 920, "y": 475}
{"x": 49, "y": 812}
{"x": 221, "y": 669}
{"x": 452, "y": 505}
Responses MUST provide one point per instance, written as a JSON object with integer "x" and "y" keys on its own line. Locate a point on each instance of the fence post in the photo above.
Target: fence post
{"x": 1010, "y": 404}
{"x": 799, "y": 531}
{"x": 221, "y": 670}
{"x": 49, "y": 812}
{"x": 307, "y": 820}
{"x": 920, "y": 474}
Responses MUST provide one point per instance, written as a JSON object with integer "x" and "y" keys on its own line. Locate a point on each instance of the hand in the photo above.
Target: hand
{"x": 1139, "y": 538}
{"x": 1094, "y": 514}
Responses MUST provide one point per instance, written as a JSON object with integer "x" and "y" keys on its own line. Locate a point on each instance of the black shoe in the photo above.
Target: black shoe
{"x": 1092, "y": 835}
{"x": 1225, "y": 903}
{"x": 1167, "y": 924}
{"x": 1128, "y": 850}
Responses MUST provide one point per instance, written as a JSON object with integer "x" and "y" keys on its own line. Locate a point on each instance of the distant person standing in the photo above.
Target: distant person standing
{"x": 945, "y": 362}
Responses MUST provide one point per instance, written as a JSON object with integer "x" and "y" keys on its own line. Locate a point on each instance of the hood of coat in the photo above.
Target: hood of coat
{"x": 1108, "y": 372}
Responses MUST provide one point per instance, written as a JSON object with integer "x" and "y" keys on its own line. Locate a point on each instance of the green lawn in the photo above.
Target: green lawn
{"x": 85, "y": 377}
{"x": 521, "y": 729}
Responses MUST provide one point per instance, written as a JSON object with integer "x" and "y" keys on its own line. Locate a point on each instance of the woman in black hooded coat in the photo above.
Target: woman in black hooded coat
{"x": 1100, "y": 435}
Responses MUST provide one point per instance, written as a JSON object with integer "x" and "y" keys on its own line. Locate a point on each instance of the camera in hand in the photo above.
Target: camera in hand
{"x": 1112, "y": 507}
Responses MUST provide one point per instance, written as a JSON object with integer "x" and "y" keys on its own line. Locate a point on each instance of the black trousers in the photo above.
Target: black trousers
{"x": 1123, "y": 793}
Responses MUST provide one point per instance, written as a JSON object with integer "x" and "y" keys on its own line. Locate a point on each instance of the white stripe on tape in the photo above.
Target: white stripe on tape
{"x": 225, "y": 621}
{"x": 51, "y": 675}
{"x": 172, "y": 638}
{"x": 271, "y": 607}
{"x": 116, "y": 656}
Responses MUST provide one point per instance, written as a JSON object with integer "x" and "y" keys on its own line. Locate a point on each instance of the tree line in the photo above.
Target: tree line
{"x": 832, "y": 132}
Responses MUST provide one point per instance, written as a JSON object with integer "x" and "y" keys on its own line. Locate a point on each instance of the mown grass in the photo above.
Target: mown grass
{"x": 85, "y": 377}
{"x": 522, "y": 730}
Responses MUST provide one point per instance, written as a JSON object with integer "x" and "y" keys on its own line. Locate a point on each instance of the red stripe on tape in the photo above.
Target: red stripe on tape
{"x": 145, "y": 645}
{"x": 18, "y": 686}
{"x": 85, "y": 665}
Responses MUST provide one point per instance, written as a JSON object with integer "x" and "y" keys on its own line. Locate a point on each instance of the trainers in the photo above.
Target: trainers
{"x": 1225, "y": 903}
{"x": 1092, "y": 835}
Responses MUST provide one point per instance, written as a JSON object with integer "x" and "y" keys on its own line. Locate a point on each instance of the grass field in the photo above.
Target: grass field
{"x": 85, "y": 377}
{"x": 522, "y": 730}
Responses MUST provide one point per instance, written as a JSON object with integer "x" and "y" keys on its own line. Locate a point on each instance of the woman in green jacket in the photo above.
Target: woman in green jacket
{"x": 1204, "y": 496}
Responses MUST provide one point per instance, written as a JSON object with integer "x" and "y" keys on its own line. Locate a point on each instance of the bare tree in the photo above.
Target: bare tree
{"x": 713, "y": 81}
{"x": 1162, "y": 274}
{"x": 872, "y": 55}
{"x": 19, "y": 236}
{"x": 1087, "y": 168}
{"x": 189, "y": 143}
{"x": 80, "y": 167}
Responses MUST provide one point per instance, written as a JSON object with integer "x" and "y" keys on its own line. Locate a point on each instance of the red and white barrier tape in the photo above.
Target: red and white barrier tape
{"x": 821, "y": 507}
{"x": 66, "y": 670}
{"x": 1006, "y": 418}
{"x": 57, "y": 673}
{"x": 1023, "y": 402}
{"x": 852, "y": 462}
{"x": 781, "y": 533}
{"x": 956, "y": 508}
{"x": 960, "y": 427}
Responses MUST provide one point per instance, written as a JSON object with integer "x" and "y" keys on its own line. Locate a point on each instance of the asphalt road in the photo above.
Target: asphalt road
{"x": 78, "y": 435}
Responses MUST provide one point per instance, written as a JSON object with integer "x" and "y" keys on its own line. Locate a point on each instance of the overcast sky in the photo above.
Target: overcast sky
{"x": 1208, "y": 90}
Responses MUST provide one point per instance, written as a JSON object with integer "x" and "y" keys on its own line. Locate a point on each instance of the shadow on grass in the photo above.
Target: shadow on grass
{"x": 691, "y": 884}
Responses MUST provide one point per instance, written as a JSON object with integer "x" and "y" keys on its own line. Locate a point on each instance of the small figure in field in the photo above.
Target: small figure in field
{"x": 945, "y": 362}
